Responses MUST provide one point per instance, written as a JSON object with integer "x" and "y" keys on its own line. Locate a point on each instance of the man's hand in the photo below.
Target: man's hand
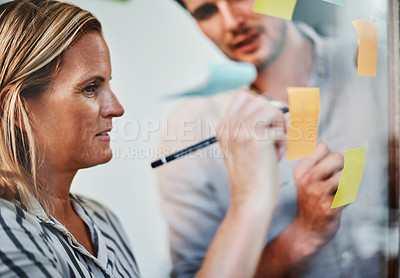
{"x": 252, "y": 137}
{"x": 317, "y": 180}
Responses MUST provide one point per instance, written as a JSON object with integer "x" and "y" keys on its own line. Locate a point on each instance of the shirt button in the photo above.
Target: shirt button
{"x": 321, "y": 70}
{"x": 347, "y": 255}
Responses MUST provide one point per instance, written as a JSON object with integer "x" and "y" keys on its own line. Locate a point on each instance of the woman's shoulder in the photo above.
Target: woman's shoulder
{"x": 18, "y": 223}
{"x": 15, "y": 215}
{"x": 24, "y": 244}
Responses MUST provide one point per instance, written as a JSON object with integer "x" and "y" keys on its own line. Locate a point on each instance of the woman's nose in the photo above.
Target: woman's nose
{"x": 112, "y": 107}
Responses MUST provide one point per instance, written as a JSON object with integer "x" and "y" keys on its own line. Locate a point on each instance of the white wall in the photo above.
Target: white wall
{"x": 155, "y": 50}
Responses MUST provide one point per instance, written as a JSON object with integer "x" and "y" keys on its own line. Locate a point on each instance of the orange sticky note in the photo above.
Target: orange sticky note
{"x": 277, "y": 8}
{"x": 368, "y": 47}
{"x": 303, "y": 122}
{"x": 354, "y": 161}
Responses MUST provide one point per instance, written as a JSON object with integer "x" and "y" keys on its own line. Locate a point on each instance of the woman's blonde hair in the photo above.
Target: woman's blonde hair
{"x": 33, "y": 36}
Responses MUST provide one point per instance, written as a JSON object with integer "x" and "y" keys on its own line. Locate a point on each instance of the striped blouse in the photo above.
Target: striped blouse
{"x": 33, "y": 244}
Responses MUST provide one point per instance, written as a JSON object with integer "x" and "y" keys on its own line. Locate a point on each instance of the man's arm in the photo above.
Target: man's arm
{"x": 189, "y": 197}
{"x": 316, "y": 223}
{"x": 253, "y": 173}
{"x": 206, "y": 239}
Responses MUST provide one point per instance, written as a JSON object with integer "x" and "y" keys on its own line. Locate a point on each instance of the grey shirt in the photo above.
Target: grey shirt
{"x": 195, "y": 190}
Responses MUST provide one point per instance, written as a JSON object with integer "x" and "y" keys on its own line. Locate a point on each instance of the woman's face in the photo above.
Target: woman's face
{"x": 72, "y": 119}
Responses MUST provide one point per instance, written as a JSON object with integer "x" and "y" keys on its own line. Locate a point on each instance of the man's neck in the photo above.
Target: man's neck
{"x": 291, "y": 69}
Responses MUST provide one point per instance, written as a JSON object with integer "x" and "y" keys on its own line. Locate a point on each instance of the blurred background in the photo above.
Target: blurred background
{"x": 157, "y": 49}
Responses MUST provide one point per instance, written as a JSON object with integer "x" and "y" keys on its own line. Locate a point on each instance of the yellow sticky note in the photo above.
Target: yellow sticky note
{"x": 277, "y": 8}
{"x": 337, "y": 2}
{"x": 368, "y": 47}
{"x": 350, "y": 179}
{"x": 303, "y": 122}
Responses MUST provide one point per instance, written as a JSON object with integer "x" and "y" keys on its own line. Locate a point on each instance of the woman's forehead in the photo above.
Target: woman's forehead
{"x": 88, "y": 56}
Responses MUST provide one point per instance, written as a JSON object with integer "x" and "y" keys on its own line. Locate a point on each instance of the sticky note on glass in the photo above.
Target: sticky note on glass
{"x": 222, "y": 78}
{"x": 337, "y": 2}
{"x": 277, "y": 8}
{"x": 303, "y": 122}
{"x": 368, "y": 47}
{"x": 350, "y": 179}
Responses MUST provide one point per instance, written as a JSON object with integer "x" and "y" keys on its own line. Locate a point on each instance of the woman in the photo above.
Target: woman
{"x": 56, "y": 112}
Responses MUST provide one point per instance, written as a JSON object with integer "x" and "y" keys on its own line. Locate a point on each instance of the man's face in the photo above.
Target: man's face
{"x": 240, "y": 33}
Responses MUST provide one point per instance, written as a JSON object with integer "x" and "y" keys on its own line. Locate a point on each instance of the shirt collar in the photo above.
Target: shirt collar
{"x": 320, "y": 69}
{"x": 320, "y": 62}
{"x": 31, "y": 204}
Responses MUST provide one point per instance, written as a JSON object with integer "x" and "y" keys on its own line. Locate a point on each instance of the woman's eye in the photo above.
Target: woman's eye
{"x": 91, "y": 89}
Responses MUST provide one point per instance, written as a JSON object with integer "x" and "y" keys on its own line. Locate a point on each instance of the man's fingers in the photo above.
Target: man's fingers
{"x": 333, "y": 183}
{"x": 307, "y": 163}
{"x": 326, "y": 167}
{"x": 251, "y": 116}
{"x": 280, "y": 147}
{"x": 224, "y": 128}
{"x": 237, "y": 103}
{"x": 331, "y": 186}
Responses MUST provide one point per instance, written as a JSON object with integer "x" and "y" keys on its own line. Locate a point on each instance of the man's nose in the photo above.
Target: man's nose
{"x": 231, "y": 19}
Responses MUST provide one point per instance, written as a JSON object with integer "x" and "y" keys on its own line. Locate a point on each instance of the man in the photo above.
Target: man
{"x": 304, "y": 237}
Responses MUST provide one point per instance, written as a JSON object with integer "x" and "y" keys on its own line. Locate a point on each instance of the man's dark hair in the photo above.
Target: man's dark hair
{"x": 180, "y": 2}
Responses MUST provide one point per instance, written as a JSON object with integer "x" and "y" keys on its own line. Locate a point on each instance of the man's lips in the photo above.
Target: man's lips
{"x": 248, "y": 43}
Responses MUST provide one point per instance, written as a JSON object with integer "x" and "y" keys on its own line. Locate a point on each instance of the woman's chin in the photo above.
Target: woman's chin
{"x": 97, "y": 158}
{"x": 106, "y": 156}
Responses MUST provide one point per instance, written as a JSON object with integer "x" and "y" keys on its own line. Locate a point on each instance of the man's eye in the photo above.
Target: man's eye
{"x": 205, "y": 12}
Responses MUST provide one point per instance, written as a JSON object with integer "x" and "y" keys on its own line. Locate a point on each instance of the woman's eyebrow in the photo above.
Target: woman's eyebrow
{"x": 92, "y": 78}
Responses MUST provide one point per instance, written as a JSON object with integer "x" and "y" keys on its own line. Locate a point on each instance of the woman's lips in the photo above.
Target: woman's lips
{"x": 249, "y": 44}
{"x": 103, "y": 136}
